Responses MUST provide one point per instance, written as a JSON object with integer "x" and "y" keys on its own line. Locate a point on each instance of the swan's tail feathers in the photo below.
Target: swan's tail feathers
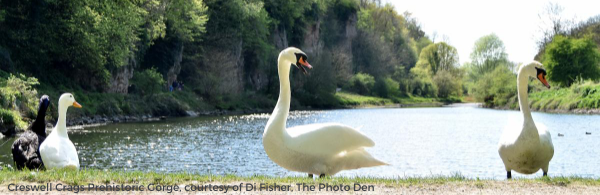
{"x": 359, "y": 158}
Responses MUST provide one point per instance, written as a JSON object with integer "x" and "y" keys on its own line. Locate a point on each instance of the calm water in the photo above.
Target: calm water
{"x": 415, "y": 141}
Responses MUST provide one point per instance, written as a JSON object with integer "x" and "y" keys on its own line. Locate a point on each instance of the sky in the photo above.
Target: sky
{"x": 515, "y": 22}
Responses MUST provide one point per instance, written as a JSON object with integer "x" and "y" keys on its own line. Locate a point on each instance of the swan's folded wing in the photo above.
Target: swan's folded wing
{"x": 326, "y": 139}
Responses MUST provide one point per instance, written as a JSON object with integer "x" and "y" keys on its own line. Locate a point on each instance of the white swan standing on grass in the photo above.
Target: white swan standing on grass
{"x": 57, "y": 150}
{"x": 526, "y": 147}
{"x": 322, "y": 149}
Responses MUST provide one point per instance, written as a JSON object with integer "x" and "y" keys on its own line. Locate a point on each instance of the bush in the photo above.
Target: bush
{"x": 447, "y": 84}
{"x": 495, "y": 88}
{"x": 17, "y": 93}
{"x": 421, "y": 83}
{"x": 387, "y": 88}
{"x": 148, "y": 82}
{"x": 568, "y": 59}
{"x": 362, "y": 83}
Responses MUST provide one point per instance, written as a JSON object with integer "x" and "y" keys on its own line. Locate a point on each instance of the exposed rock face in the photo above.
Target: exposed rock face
{"x": 312, "y": 43}
{"x": 342, "y": 55}
{"x": 176, "y": 68}
{"x": 227, "y": 61}
{"x": 280, "y": 38}
{"x": 119, "y": 83}
{"x": 6, "y": 63}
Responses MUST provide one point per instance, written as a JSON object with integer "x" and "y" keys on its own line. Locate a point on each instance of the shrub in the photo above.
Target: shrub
{"x": 148, "y": 82}
{"x": 387, "y": 88}
{"x": 362, "y": 83}
{"x": 447, "y": 84}
{"x": 17, "y": 93}
{"x": 495, "y": 88}
{"x": 568, "y": 59}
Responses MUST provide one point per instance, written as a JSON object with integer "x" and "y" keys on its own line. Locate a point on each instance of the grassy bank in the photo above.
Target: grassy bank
{"x": 579, "y": 96}
{"x": 583, "y": 96}
{"x": 129, "y": 177}
{"x": 355, "y": 100}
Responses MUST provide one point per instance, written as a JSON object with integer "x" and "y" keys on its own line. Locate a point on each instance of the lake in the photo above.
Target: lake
{"x": 415, "y": 141}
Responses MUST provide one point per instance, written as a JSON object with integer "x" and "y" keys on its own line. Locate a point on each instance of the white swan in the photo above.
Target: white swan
{"x": 526, "y": 147}
{"x": 322, "y": 149}
{"x": 57, "y": 150}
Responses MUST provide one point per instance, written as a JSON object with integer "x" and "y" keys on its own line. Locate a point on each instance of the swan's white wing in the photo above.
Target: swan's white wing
{"x": 326, "y": 139}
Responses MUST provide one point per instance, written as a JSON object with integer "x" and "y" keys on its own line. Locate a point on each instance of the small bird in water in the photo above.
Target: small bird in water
{"x": 588, "y": 133}
{"x": 561, "y": 135}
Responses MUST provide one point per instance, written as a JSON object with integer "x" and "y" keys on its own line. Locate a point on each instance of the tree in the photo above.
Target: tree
{"x": 553, "y": 23}
{"x": 488, "y": 53}
{"x": 437, "y": 57}
{"x": 569, "y": 59}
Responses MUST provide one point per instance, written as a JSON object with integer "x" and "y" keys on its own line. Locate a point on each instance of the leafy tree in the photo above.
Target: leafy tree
{"x": 488, "y": 53}
{"x": 437, "y": 57}
{"x": 569, "y": 59}
{"x": 495, "y": 88}
{"x": 447, "y": 84}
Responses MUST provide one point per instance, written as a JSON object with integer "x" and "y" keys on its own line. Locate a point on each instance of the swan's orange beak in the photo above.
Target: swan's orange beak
{"x": 302, "y": 63}
{"x": 543, "y": 80}
{"x": 76, "y": 105}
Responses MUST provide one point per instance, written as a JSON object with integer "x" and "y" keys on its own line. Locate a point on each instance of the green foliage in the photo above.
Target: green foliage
{"x": 186, "y": 18}
{"x": 387, "y": 88}
{"x": 148, "y": 82}
{"x": 18, "y": 97}
{"x": 488, "y": 53}
{"x": 17, "y": 93}
{"x": 447, "y": 84}
{"x": 362, "y": 83}
{"x": 495, "y": 88}
{"x": 422, "y": 84}
{"x": 437, "y": 57}
{"x": 350, "y": 99}
{"x": 568, "y": 59}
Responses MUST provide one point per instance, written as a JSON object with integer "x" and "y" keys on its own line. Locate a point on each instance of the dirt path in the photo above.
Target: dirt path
{"x": 484, "y": 187}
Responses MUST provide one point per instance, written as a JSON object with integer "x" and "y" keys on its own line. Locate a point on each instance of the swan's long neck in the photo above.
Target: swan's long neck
{"x": 277, "y": 122}
{"x": 39, "y": 125}
{"x": 522, "y": 80}
{"x": 61, "y": 125}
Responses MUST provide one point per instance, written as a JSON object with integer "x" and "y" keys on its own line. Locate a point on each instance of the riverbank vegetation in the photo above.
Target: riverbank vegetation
{"x": 168, "y": 57}
{"x": 570, "y": 54}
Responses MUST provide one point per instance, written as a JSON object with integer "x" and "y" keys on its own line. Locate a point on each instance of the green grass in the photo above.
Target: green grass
{"x": 357, "y": 100}
{"x": 129, "y": 177}
{"x": 351, "y": 99}
{"x": 584, "y": 95}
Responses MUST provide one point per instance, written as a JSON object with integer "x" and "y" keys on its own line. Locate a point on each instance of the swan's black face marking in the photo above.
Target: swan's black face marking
{"x": 541, "y": 75}
{"x": 301, "y": 61}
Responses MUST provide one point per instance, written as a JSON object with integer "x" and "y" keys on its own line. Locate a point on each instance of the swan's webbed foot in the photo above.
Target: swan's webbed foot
{"x": 310, "y": 175}
{"x": 545, "y": 174}
{"x": 508, "y": 175}
{"x": 322, "y": 176}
